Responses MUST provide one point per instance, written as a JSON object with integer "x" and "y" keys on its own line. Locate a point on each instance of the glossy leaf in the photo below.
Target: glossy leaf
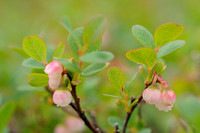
{"x": 93, "y": 69}
{"x": 59, "y": 50}
{"x": 6, "y": 113}
{"x": 97, "y": 57}
{"x": 94, "y": 30}
{"x": 31, "y": 63}
{"x": 68, "y": 65}
{"x": 38, "y": 79}
{"x": 145, "y": 56}
{"x": 170, "y": 47}
{"x": 35, "y": 47}
{"x": 167, "y": 33}
{"x": 143, "y": 36}
{"x": 159, "y": 67}
{"x": 116, "y": 78}
{"x": 74, "y": 45}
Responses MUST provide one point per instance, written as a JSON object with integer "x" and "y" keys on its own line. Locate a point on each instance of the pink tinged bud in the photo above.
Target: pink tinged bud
{"x": 152, "y": 96}
{"x": 53, "y": 67}
{"x": 163, "y": 107}
{"x": 54, "y": 70}
{"x": 60, "y": 129}
{"x": 62, "y": 98}
{"x": 168, "y": 97}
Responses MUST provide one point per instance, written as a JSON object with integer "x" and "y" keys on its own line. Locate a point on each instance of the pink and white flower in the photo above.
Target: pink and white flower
{"x": 62, "y": 98}
{"x": 152, "y": 95}
{"x": 54, "y": 71}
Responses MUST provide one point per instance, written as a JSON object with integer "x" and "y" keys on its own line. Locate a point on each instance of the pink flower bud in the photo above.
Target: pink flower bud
{"x": 62, "y": 98}
{"x": 60, "y": 129}
{"x": 54, "y": 70}
{"x": 74, "y": 124}
{"x": 152, "y": 95}
{"x": 53, "y": 67}
{"x": 168, "y": 97}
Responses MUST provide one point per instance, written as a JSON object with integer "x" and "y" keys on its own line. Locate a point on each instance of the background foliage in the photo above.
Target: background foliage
{"x": 23, "y": 18}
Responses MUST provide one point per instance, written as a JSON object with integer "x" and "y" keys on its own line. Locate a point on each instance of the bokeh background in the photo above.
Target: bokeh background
{"x": 22, "y": 18}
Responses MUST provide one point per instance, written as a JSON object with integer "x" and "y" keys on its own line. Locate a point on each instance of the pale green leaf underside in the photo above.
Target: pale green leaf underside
{"x": 94, "y": 30}
{"x": 143, "y": 36}
{"x": 59, "y": 50}
{"x": 170, "y": 47}
{"x": 68, "y": 65}
{"x": 97, "y": 57}
{"x": 38, "y": 79}
{"x": 145, "y": 56}
{"x": 31, "y": 63}
{"x": 35, "y": 47}
{"x": 116, "y": 78}
{"x": 73, "y": 43}
{"x": 93, "y": 69}
{"x": 96, "y": 46}
{"x": 159, "y": 67}
{"x": 167, "y": 33}
{"x": 6, "y": 113}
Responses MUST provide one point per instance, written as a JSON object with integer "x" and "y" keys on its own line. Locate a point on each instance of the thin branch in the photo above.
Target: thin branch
{"x": 128, "y": 115}
{"x": 117, "y": 128}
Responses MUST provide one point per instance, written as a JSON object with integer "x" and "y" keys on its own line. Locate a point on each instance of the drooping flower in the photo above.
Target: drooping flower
{"x": 72, "y": 122}
{"x": 54, "y": 71}
{"x": 62, "y": 98}
{"x": 152, "y": 95}
{"x": 168, "y": 99}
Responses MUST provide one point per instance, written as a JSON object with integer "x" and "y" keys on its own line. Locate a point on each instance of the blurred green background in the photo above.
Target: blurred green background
{"x": 35, "y": 17}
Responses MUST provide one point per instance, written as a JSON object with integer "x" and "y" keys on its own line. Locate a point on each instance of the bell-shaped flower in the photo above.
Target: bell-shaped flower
{"x": 62, "y": 98}
{"x": 152, "y": 95}
{"x": 54, "y": 71}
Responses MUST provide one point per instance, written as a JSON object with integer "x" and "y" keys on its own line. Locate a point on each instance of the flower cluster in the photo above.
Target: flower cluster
{"x": 163, "y": 97}
{"x": 60, "y": 97}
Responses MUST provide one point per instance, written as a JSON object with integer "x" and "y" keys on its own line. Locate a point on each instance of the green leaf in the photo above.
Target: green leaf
{"x": 38, "y": 79}
{"x": 35, "y": 47}
{"x": 116, "y": 78}
{"x": 131, "y": 82}
{"x": 94, "y": 30}
{"x": 93, "y": 69}
{"x": 113, "y": 120}
{"x": 167, "y": 33}
{"x": 108, "y": 95}
{"x": 68, "y": 65}
{"x": 31, "y": 63}
{"x": 66, "y": 22}
{"x": 6, "y": 113}
{"x": 95, "y": 47}
{"x": 59, "y": 50}
{"x": 159, "y": 67}
{"x": 143, "y": 36}
{"x": 29, "y": 88}
{"x": 170, "y": 47}
{"x": 20, "y": 51}
{"x": 74, "y": 45}
{"x": 145, "y": 56}
{"x": 97, "y": 57}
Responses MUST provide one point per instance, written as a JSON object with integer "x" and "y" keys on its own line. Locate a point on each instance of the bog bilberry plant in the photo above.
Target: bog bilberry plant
{"x": 61, "y": 76}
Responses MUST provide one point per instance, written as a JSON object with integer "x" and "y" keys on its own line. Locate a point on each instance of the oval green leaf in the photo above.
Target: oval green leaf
{"x": 145, "y": 56}
{"x": 159, "y": 67}
{"x": 97, "y": 57}
{"x": 6, "y": 113}
{"x": 143, "y": 36}
{"x": 35, "y": 47}
{"x": 59, "y": 50}
{"x": 38, "y": 79}
{"x": 93, "y": 69}
{"x": 94, "y": 30}
{"x": 31, "y": 63}
{"x": 170, "y": 47}
{"x": 116, "y": 78}
{"x": 167, "y": 33}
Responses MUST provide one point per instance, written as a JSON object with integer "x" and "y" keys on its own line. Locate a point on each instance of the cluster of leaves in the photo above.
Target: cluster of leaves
{"x": 84, "y": 42}
{"x": 157, "y": 46}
